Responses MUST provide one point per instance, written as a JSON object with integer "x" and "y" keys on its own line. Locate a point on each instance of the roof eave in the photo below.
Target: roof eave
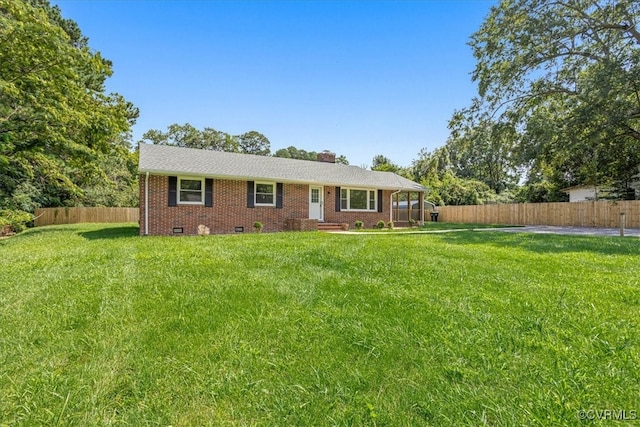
{"x": 283, "y": 180}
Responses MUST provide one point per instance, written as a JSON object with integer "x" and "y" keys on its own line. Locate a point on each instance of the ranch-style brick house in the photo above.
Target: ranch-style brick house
{"x": 183, "y": 188}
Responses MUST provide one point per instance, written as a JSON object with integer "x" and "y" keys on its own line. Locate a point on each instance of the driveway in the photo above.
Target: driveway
{"x": 585, "y": 231}
{"x": 540, "y": 229}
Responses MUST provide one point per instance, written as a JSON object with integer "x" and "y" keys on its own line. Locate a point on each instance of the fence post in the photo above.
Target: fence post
{"x": 622, "y": 221}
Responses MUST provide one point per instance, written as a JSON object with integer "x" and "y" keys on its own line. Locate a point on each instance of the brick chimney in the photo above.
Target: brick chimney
{"x": 327, "y": 157}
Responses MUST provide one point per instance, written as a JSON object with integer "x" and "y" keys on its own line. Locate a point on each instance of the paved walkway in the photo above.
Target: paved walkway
{"x": 585, "y": 231}
{"x": 541, "y": 229}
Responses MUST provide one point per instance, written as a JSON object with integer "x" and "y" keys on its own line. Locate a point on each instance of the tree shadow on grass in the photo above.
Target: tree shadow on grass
{"x": 27, "y": 232}
{"x": 108, "y": 232}
{"x": 112, "y": 233}
{"x": 546, "y": 243}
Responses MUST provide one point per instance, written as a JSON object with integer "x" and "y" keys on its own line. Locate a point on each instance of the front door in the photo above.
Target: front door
{"x": 316, "y": 210}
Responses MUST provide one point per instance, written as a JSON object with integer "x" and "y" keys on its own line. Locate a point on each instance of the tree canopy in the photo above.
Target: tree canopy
{"x": 186, "y": 135}
{"x": 444, "y": 187}
{"x": 383, "y": 164}
{"x": 558, "y": 95}
{"x": 292, "y": 152}
{"x": 56, "y": 120}
{"x": 251, "y": 142}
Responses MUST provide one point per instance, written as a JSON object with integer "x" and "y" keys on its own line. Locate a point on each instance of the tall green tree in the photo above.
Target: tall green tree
{"x": 384, "y": 164}
{"x": 188, "y": 136}
{"x": 483, "y": 150}
{"x": 253, "y": 142}
{"x": 566, "y": 76}
{"x": 435, "y": 171}
{"x": 430, "y": 166}
{"x": 219, "y": 141}
{"x": 56, "y": 119}
{"x": 342, "y": 159}
{"x": 292, "y": 152}
{"x": 117, "y": 185}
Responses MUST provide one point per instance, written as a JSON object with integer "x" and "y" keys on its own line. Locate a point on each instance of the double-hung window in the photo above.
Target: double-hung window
{"x": 265, "y": 194}
{"x": 355, "y": 199}
{"x": 190, "y": 191}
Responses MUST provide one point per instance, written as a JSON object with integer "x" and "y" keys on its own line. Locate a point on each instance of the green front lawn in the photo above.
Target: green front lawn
{"x": 99, "y": 326}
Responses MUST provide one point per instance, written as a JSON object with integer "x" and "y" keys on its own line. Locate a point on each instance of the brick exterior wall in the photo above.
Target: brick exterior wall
{"x": 370, "y": 219}
{"x": 301, "y": 224}
{"x": 230, "y": 210}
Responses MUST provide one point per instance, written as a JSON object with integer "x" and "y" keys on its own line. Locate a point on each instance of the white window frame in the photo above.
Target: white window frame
{"x": 255, "y": 193}
{"x": 348, "y": 199}
{"x": 179, "y": 189}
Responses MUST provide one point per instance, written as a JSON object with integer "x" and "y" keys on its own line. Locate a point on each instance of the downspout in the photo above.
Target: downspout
{"x": 146, "y": 205}
{"x": 391, "y": 205}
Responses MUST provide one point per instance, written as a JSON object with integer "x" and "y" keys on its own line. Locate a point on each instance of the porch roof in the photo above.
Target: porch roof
{"x": 170, "y": 160}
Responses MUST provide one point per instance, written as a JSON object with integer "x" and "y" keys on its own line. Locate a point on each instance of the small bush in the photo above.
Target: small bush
{"x": 390, "y": 225}
{"x": 258, "y": 226}
{"x": 381, "y": 224}
{"x": 359, "y": 225}
{"x": 412, "y": 222}
{"x": 15, "y": 219}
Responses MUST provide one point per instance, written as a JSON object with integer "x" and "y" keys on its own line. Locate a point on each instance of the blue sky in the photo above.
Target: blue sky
{"x": 359, "y": 78}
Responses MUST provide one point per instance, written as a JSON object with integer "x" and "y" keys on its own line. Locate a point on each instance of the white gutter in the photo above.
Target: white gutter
{"x": 263, "y": 177}
{"x": 146, "y": 205}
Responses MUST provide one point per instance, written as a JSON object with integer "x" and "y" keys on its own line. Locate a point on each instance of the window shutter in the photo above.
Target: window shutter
{"x": 173, "y": 191}
{"x": 208, "y": 192}
{"x": 279, "y": 195}
{"x": 251, "y": 199}
{"x": 379, "y": 200}
{"x": 337, "y": 199}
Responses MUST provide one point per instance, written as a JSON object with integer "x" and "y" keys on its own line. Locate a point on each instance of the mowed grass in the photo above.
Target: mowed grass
{"x": 99, "y": 326}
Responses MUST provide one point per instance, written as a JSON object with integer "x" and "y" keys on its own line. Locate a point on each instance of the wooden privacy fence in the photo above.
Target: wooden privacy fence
{"x": 49, "y": 216}
{"x": 577, "y": 214}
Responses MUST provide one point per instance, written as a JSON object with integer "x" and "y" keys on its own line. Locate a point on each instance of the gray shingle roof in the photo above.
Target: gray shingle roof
{"x": 169, "y": 160}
